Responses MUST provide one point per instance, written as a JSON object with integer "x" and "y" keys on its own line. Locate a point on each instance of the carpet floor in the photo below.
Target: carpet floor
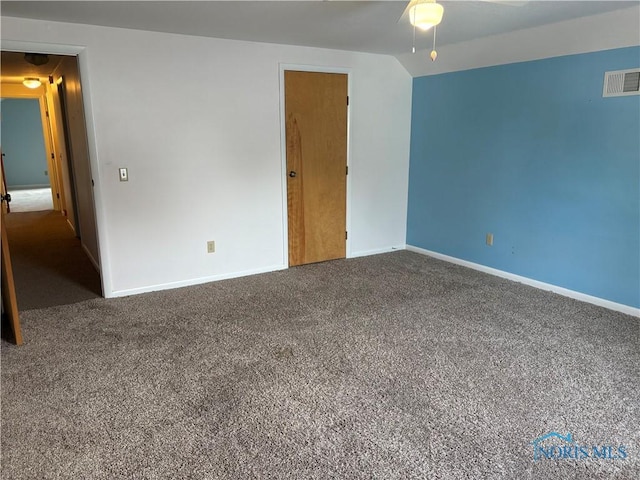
{"x": 49, "y": 265}
{"x": 31, "y": 200}
{"x": 394, "y": 366}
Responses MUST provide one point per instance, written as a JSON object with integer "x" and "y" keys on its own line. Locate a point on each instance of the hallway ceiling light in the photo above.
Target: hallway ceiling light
{"x": 31, "y": 82}
{"x": 425, "y": 14}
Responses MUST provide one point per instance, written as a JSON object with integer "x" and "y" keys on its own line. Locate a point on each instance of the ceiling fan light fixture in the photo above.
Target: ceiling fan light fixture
{"x": 425, "y": 14}
{"x": 31, "y": 82}
{"x": 36, "y": 59}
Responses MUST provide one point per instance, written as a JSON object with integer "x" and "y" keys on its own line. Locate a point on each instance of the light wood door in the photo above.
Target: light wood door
{"x": 9, "y": 301}
{"x": 316, "y": 135}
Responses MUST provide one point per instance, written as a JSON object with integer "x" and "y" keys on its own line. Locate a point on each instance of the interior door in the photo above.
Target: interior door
{"x": 71, "y": 193}
{"x": 54, "y": 175}
{"x": 9, "y": 301}
{"x": 316, "y": 137}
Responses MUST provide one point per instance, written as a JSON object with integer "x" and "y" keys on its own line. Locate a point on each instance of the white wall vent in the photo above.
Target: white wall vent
{"x": 621, "y": 83}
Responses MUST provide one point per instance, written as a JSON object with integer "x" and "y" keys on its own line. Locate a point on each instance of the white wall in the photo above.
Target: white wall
{"x": 197, "y": 123}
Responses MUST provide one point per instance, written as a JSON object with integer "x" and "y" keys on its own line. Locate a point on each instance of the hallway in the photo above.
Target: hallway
{"x": 49, "y": 265}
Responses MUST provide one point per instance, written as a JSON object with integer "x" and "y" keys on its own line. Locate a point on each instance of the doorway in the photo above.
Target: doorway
{"x": 316, "y": 112}
{"x": 26, "y": 173}
{"x": 55, "y": 252}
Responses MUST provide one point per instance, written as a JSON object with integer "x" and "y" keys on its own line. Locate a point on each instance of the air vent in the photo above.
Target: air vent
{"x": 621, "y": 83}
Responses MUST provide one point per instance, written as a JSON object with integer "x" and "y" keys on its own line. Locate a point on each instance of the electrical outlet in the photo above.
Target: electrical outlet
{"x": 124, "y": 175}
{"x": 211, "y": 246}
{"x": 490, "y": 239}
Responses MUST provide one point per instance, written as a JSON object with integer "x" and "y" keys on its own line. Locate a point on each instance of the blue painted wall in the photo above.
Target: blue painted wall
{"x": 25, "y": 159}
{"x": 532, "y": 153}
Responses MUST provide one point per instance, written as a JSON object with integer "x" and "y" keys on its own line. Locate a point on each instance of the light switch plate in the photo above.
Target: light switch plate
{"x": 490, "y": 239}
{"x": 124, "y": 175}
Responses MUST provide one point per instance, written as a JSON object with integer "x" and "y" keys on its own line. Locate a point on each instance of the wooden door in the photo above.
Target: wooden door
{"x": 9, "y": 301}
{"x": 316, "y": 136}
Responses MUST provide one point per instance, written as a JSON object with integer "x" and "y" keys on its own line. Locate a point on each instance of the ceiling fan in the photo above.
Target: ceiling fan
{"x": 427, "y": 14}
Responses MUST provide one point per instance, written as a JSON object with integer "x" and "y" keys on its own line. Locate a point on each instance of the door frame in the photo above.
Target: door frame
{"x": 283, "y": 151}
{"x": 82, "y": 53}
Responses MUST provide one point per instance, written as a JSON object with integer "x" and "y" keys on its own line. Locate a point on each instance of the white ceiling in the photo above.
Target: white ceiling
{"x": 357, "y": 26}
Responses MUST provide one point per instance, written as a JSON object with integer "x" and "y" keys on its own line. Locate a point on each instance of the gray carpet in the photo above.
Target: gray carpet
{"x": 394, "y": 366}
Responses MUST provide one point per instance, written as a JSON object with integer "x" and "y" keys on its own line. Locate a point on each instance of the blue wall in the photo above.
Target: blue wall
{"x": 25, "y": 159}
{"x": 532, "y": 153}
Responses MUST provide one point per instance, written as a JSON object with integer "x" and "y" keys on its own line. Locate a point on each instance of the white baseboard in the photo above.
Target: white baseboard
{"x": 366, "y": 253}
{"x": 215, "y": 278}
{"x": 28, "y": 187}
{"x": 96, "y": 265}
{"x": 73, "y": 229}
{"x": 619, "y": 307}
{"x": 194, "y": 281}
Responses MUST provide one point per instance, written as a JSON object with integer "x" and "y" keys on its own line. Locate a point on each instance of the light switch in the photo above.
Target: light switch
{"x": 124, "y": 175}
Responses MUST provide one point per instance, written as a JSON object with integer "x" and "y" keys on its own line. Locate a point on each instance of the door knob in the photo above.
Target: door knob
{"x": 5, "y": 198}
{"x": 292, "y": 174}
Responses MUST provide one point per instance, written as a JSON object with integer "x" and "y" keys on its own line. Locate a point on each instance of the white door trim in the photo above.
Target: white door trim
{"x": 83, "y": 64}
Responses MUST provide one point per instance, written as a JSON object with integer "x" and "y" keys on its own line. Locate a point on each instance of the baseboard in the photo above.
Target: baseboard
{"x": 601, "y": 302}
{"x": 27, "y": 187}
{"x": 366, "y": 253}
{"x": 72, "y": 227}
{"x": 95, "y": 263}
{"x": 194, "y": 281}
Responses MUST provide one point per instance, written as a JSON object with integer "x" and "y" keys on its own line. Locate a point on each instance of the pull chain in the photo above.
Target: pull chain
{"x": 434, "y": 54}
{"x": 413, "y": 50}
